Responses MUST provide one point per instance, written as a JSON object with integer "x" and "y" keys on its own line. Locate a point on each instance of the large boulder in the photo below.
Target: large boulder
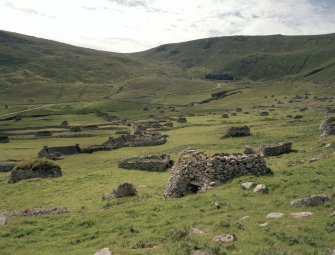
{"x": 125, "y": 189}
{"x": 150, "y": 163}
{"x": 328, "y": 127}
{"x": 36, "y": 168}
{"x": 311, "y": 201}
{"x": 237, "y": 131}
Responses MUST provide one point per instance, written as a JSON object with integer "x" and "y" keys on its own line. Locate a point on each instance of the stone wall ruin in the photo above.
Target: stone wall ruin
{"x": 150, "y": 162}
{"x": 195, "y": 171}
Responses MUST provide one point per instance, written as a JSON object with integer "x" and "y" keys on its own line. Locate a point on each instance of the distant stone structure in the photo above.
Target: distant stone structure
{"x": 237, "y": 131}
{"x": 4, "y": 139}
{"x": 35, "y": 169}
{"x": 328, "y": 127}
{"x": 157, "y": 163}
{"x": 270, "y": 149}
{"x": 195, "y": 171}
{"x": 48, "y": 152}
{"x": 7, "y": 166}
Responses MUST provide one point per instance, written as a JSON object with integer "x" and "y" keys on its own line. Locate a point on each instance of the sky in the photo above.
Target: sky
{"x": 137, "y": 25}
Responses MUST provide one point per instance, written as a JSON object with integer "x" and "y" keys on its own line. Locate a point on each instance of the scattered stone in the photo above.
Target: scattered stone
{"x": 247, "y": 185}
{"x": 299, "y": 215}
{"x": 4, "y": 139}
{"x": 75, "y": 129}
{"x": 275, "y": 149}
{"x": 264, "y": 224}
{"x": 35, "y": 212}
{"x": 217, "y": 205}
{"x": 225, "y": 116}
{"x": 197, "y": 231}
{"x": 233, "y": 114}
{"x": 36, "y": 168}
{"x": 311, "y": 201}
{"x": 274, "y": 215}
{"x": 3, "y": 220}
{"x": 195, "y": 170}
{"x": 104, "y": 197}
{"x": 150, "y": 163}
{"x": 263, "y": 114}
{"x": 297, "y": 117}
{"x": 104, "y": 251}
{"x": 260, "y": 188}
{"x": 237, "y": 131}
{"x": 125, "y": 189}
{"x": 238, "y": 110}
{"x": 225, "y": 238}
{"x": 312, "y": 160}
{"x": 328, "y": 127}
{"x": 168, "y": 124}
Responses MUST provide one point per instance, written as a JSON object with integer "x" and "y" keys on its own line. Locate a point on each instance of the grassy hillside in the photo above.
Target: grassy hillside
{"x": 254, "y": 57}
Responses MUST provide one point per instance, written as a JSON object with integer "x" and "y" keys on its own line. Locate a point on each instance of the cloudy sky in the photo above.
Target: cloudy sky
{"x": 135, "y": 25}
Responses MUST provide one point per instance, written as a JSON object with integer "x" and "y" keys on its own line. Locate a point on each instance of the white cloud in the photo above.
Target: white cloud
{"x": 134, "y": 25}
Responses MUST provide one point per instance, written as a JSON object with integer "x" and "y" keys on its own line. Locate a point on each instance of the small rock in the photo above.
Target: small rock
{"x": 245, "y": 217}
{"x": 104, "y": 197}
{"x": 312, "y": 160}
{"x": 260, "y": 188}
{"x": 310, "y": 201}
{"x": 200, "y": 253}
{"x": 217, "y": 205}
{"x": 225, "y": 238}
{"x": 197, "y": 231}
{"x": 104, "y": 251}
{"x": 247, "y": 185}
{"x": 264, "y": 224}
{"x": 274, "y": 215}
{"x": 299, "y": 215}
{"x": 3, "y": 220}
{"x": 329, "y": 145}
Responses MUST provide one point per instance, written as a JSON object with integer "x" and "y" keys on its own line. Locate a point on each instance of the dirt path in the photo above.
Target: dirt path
{"x": 27, "y": 110}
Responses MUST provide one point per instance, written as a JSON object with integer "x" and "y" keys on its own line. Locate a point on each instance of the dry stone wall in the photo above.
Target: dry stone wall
{"x": 195, "y": 171}
{"x": 150, "y": 163}
{"x": 41, "y": 172}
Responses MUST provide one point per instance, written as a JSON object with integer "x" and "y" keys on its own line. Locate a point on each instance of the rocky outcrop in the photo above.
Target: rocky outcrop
{"x": 225, "y": 238}
{"x": 328, "y": 127}
{"x": 149, "y": 163}
{"x": 35, "y": 169}
{"x": 125, "y": 189}
{"x": 237, "y": 131}
{"x": 275, "y": 149}
{"x": 311, "y": 201}
{"x": 194, "y": 171}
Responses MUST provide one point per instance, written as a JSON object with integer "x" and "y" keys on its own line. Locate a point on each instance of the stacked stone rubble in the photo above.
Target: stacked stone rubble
{"x": 195, "y": 171}
{"x": 149, "y": 163}
{"x": 237, "y": 131}
{"x": 275, "y": 149}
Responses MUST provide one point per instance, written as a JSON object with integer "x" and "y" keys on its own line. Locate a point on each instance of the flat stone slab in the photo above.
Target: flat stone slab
{"x": 274, "y": 215}
{"x": 264, "y": 224}
{"x": 3, "y": 220}
{"x": 299, "y": 215}
{"x": 197, "y": 231}
{"x": 104, "y": 251}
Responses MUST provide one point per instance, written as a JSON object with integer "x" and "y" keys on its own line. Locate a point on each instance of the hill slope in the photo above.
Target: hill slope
{"x": 254, "y": 57}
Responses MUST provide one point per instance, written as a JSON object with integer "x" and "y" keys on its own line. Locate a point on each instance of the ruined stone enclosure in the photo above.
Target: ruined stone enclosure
{"x": 194, "y": 171}
{"x": 149, "y": 163}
